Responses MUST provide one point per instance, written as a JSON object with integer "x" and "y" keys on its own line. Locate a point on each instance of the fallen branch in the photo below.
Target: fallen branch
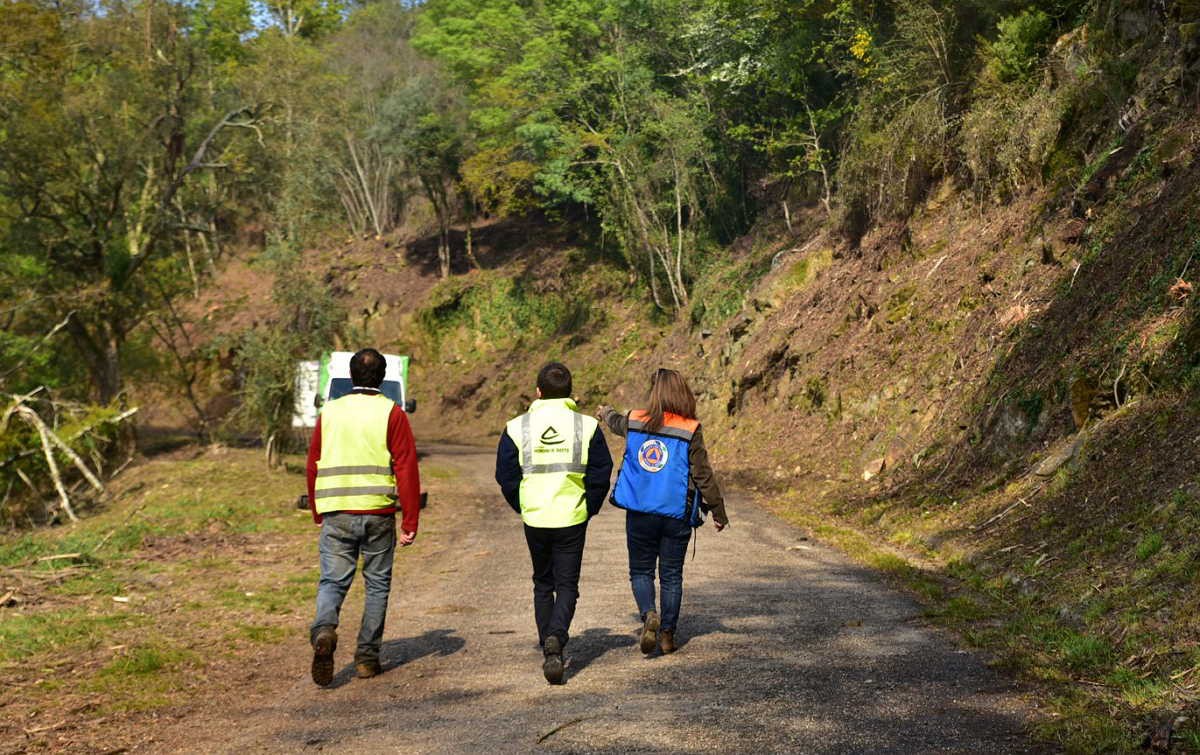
{"x": 61, "y": 557}
{"x": 32, "y": 417}
{"x": 1001, "y": 515}
{"x": 73, "y": 437}
{"x": 48, "y": 452}
{"x": 44, "y": 729}
{"x": 557, "y": 729}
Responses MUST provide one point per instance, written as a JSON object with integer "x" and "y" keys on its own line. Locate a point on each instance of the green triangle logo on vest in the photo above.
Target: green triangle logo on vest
{"x": 551, "y": 437}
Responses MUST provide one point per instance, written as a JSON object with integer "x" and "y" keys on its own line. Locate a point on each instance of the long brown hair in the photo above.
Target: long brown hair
{"x": 669, "y": 392}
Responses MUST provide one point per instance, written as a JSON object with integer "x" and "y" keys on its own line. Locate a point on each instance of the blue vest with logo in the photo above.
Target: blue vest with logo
{"x": 655, "y": 471}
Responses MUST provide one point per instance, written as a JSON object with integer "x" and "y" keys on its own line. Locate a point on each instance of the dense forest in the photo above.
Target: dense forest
{"x": 143, "y": 140}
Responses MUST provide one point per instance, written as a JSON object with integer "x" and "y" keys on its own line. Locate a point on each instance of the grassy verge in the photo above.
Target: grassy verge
{"x": 1095, "y": 606}
{"x": 191, "y": 563}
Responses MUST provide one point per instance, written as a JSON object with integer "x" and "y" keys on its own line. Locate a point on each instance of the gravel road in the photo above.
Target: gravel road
{"x": 786, "y": 647}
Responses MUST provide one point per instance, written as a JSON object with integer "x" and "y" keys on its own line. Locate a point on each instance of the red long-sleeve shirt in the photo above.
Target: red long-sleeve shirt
{"x": 404, "y": 465}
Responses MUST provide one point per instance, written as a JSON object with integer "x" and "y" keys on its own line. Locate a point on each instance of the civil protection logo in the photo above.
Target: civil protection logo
{"x": 652, "y": 456}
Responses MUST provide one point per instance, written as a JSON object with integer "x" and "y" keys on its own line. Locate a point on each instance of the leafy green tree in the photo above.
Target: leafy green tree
{"x": 309, "y": 322}
{"x": 422, "y": 127}
{"x": 105, "y": 132}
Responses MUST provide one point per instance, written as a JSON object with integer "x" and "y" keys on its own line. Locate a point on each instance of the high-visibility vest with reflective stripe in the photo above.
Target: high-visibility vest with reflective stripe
{"x": 354, "y": 472}
{"x": 552, "y": 441}
{"x": 655, "y": 470}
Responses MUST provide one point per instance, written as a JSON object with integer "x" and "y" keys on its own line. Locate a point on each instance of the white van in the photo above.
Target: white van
{"x": 318, "y": 381}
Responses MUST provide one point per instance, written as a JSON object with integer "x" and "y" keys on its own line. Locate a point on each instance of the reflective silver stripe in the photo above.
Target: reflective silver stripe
{"x": 674, "y": 432}
{"x": 670, "y": 432}
{"x": 577, "y": 452}
{"x": 364, "y": 469}
{"x": 526, "y": 443}
{"x": 387, "y": 490}
{"x": 553, "y": 468}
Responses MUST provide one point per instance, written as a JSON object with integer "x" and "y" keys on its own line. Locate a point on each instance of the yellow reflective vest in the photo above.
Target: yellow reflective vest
{"x": 552, "y": 441}
{"x": 354, "y": 472}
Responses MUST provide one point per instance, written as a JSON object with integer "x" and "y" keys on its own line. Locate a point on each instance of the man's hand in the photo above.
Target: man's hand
{"x": 602, "y": 410}
{"x": 407, "y": 538}
{"x": 719, "y": 526}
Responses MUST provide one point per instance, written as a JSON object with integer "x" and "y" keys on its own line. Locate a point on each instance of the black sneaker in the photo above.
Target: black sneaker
{"x": 650, "y": 632}
{"x": 324, "y": 643}
{"x": 552, "y": 666}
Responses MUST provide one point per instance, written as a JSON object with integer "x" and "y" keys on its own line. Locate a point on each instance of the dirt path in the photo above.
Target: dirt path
{"x": 787, "y": 646}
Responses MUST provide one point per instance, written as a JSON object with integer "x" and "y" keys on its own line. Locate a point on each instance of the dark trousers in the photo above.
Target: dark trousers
{"x": 557, "y": 554}
{"x": 659, "y": 540}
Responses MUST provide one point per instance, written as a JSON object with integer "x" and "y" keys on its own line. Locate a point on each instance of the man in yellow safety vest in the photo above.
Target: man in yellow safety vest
{"x": 362, "y": 469}
{"x": 553, "y": 468}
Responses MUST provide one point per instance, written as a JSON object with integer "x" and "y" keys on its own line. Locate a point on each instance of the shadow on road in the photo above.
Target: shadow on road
{"x": 592, "y": 644}
{"x": 395, "y": 653}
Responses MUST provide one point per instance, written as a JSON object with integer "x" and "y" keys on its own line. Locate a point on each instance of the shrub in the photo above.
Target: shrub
{"x": 1008, "y": 138}
{"x": 499, "y": 309}
{"x": 1019, "y": 46}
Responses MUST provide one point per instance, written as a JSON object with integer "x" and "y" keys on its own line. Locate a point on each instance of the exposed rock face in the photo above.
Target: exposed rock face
{"x": 1060, "y": 456}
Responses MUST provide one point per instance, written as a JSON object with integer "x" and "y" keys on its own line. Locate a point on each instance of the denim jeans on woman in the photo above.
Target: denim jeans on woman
{"x": 657, "y": 539}
{"x": 343, "y": 538}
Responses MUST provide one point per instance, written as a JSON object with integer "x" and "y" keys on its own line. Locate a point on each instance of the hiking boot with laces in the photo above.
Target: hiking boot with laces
{"x": 650, "y": 632}
{"x": 365, "y": 669}
{"x": 552, "y": 665}
{"x": 324, "y": 643}
{"x": 666, "y": 641}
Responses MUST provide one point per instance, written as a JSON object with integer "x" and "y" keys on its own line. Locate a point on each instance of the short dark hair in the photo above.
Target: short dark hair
{"x": 554, "y": 381}
{"x": 367, "y": 368}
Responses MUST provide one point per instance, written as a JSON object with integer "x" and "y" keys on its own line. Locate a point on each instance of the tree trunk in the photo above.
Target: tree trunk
{"x": 444, "y": 250}
{"x": 100, "y": 346}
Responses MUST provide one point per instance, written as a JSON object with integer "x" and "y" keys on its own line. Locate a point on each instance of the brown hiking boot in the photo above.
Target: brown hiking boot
{"x": 324, "y": 643}
{"x": 650, "y": 632}
{"x": 552, "y": 663}
{"x": 666, "y": 641}
{"x": 367, "y": 669}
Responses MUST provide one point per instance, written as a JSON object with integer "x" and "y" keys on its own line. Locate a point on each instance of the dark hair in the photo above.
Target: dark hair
{"x": 669, "y": 393}
{"x": 554, "y": 381}
{"x": 367, "y": 368}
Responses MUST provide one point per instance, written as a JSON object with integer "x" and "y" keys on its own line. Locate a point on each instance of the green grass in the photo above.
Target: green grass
{"x": 23, "y": 636}
{"x": 140, "y": 678}
{"x": 1148, "y": 546}
{"x": 143, "y": 660}
{"x": 1082, "y": 652}
{"x": 271, "y": 600}
{"x": 260, "y": 633}
{"x": 75, "y": 618}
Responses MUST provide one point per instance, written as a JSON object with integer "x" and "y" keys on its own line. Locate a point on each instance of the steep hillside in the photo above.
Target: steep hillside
{"x": 1003, "y": 396}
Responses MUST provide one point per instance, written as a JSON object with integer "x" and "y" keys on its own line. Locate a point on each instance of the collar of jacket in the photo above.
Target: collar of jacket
{"x": 366, "y": 391}
{"x": 542, "y": 403}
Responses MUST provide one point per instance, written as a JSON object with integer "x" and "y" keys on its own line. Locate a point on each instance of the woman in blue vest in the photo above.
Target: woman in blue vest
{"x": 665, "y": 484}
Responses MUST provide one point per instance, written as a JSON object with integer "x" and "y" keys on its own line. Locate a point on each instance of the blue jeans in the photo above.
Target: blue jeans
{"x": 656, "y": 538}
{"x": 343, "y": 538}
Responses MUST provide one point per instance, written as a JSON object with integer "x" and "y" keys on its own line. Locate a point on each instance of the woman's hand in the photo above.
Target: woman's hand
{"x": 719, "y": 526}
{"x": 602, "y": 411}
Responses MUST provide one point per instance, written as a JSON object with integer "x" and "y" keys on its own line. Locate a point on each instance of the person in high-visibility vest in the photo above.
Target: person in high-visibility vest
{"x": 362, "y": 468}
{"x": 665, "y": 485}
{"x": 553, "y": 467}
